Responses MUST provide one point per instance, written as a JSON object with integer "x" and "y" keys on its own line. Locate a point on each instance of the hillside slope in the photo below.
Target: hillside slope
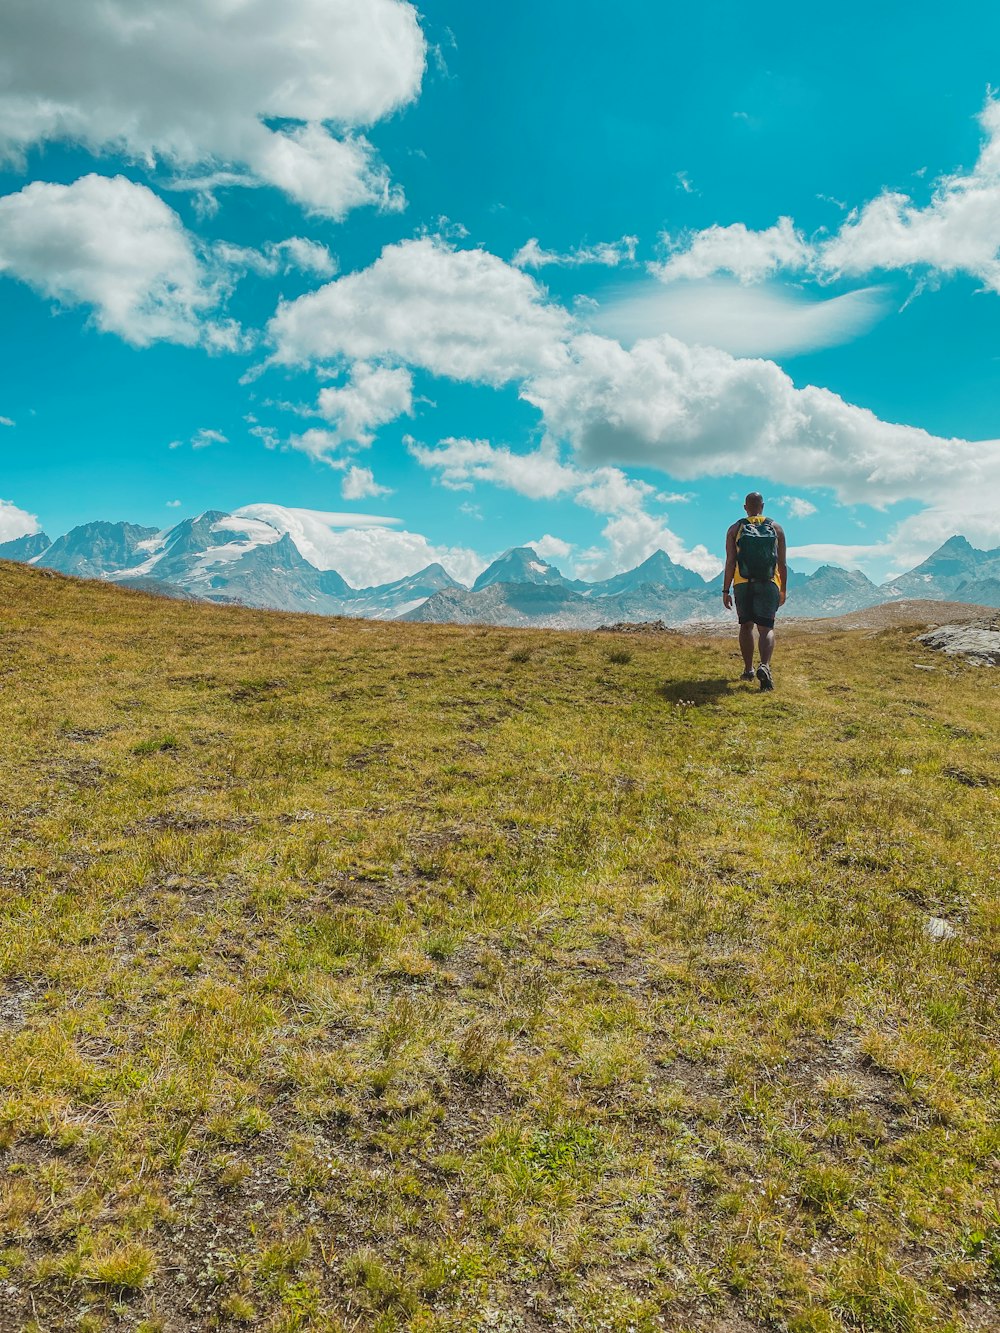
{"x": 366, "y": 975}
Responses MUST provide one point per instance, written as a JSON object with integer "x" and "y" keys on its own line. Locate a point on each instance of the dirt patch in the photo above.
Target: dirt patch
{"x": 362, "y": 759}
{"x": 894, "y": 615}
{"x": 16, "y": 997}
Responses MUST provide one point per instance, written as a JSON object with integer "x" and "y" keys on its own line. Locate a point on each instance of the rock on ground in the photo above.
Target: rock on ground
{"x": 978, "y": 641}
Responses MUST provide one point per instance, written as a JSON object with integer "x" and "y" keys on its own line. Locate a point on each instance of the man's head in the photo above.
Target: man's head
{"x": 754, "y": 503}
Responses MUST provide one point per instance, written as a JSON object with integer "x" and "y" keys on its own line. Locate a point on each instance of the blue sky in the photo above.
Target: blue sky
{"x": 492, "y": 275}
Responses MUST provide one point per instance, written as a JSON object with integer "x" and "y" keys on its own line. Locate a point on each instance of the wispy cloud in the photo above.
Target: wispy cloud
{"x": 608, "y": 253}
{"x": 955, "y": 232}
{"x": 766, "y": 320}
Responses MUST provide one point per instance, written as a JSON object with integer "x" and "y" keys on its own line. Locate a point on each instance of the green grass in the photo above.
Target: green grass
{"x": 372, "y": 976}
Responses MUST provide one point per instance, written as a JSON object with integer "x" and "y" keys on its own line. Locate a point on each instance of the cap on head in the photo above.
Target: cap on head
{"x": 754, "y": 503}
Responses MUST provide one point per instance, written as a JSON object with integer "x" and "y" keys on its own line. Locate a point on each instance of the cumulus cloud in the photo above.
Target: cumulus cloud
{"x": 608, "y": 253}
{"x": 247, "y": 90}
{"x": 697, "y": 411}
{"x": 687, "y": 410}
{"x": 541, "y": 475}
{"x": 797, "y": 506}
{"x": 551, "y": 548}
{"x": 320, "y": 445}
{"x": 914, "y": 538}
{"x": 463, "y": 314}
{"x": 15, "y": 522}
{"x": 957, "y": 231}
{"x": 366, "y": 549}
{"x": 115, "y": 246}
{"x": 633, "y": 537}
{"x": 747, "y": 255}
{"x": 372, "y": 397}
{"x": 359, "y": 484}
{"x": 763, "y": 320}
{"x": 7, "y": 421}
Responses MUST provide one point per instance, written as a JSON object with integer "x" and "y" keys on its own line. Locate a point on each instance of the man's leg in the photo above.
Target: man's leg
{"x": 765, "y": 642}
{"x": 746, "y": 645}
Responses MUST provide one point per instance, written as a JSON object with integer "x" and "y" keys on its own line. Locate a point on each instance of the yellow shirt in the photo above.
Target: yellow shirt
{"x": 737, "y": 576}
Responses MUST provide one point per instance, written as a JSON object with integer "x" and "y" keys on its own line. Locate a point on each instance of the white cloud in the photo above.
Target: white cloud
{"x": 197, "y": 83}
{"x": 307, "y": 256}
{"x": 365, "y": 549}
{"x": 110, "y": 244}
{"x": 464, "y": 314}
{"x": 173, "y": 504}
{"x": 204, "y": 437}
{"x": 608, "y": 253}
{"x": 16, "y": 522}
{"x": 957, "y": 231}
{"x": 607, "y": 490}
{"x": 359, "y": 484}
{"x": 459, "y": 463}
{"x": 687, "y": 410}
{"x": 318, "y": 444}
{"x": 372, "y": 397}
{"x": 747, "y": 255}
{"x": 540, "y": 475}
{"x": 296, "y": 253}
{"x": 696, "y": 411}
{"x": 6, "y": 421}
{"x": 633, "y": 537}
{"x": 797, "y": 506}
{"x": 326, "y": 175}
{"x": 914, "y": 538}
{"x": 551, "y": 548}
{"x": 764, "y": 320}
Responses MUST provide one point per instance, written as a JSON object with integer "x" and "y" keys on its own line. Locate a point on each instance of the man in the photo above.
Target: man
{"x": 758, "y": 576}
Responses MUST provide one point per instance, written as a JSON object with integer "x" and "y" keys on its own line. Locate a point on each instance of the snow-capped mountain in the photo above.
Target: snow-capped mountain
{"x": 830, "y": 591}
{"x": 954, "y": 566}
{"x": 236, "y": 558}
{"x": 389, "y": 601}
{"x": 25, "y": 548}
{"x": 95, "y": 550}
{"x": 224, "y": 558}
{"x": 659, "y": 570}
{"x": 520, "y": 565}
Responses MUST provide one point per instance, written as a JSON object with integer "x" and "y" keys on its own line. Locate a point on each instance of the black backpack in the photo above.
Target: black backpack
{"x": 757, "y": 550}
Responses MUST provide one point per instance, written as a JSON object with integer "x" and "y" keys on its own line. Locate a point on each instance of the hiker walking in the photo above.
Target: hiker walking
{"x": 757, "y": 575}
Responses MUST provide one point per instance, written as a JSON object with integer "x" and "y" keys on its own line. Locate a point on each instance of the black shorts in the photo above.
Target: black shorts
{"x": 757, "y": 603}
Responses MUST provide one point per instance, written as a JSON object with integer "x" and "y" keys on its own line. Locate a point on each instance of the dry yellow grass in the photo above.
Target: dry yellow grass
{"x": 377, "y": 976}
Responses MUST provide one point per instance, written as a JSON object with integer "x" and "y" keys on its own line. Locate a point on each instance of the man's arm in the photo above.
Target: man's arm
{"x": 782, "y": 565}
{"x": 727, "y": 578}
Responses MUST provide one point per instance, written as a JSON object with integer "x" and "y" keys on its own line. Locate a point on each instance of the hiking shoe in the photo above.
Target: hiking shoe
{"x": 764, "y": 676}
{"x": 748, "y": 674}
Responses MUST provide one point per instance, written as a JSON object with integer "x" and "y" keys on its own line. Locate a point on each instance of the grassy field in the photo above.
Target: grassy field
{"x": 361, "y": 976}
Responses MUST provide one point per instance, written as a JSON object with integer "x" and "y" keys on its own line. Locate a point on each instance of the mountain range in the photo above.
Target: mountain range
{"x": 232, "y": 558}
